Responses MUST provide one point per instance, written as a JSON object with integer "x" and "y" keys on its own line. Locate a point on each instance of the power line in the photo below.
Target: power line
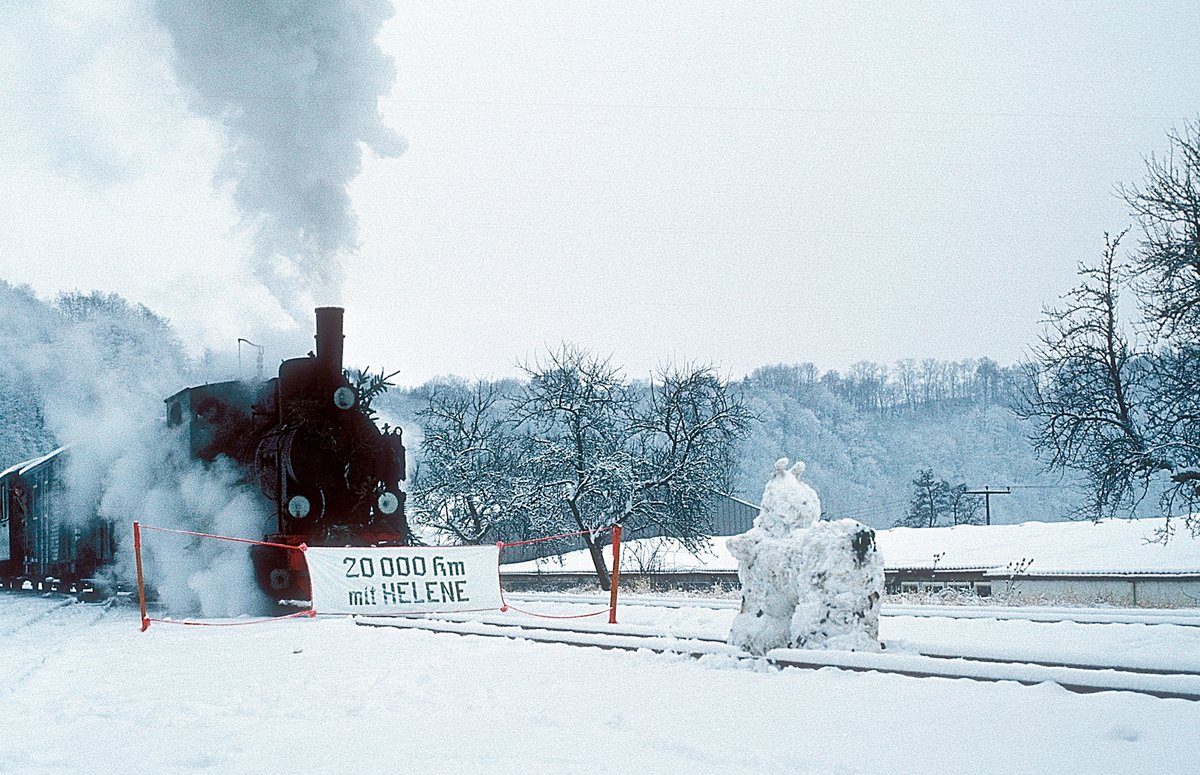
{"x": 681, "y": 107}
{"x": 987, "y": 492}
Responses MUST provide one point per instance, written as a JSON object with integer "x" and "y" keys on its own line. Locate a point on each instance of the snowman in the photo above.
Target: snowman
{"x": 805, "y": 583}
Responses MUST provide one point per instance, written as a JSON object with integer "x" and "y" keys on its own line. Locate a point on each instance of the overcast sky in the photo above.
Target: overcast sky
{"x": 736, "y": 183}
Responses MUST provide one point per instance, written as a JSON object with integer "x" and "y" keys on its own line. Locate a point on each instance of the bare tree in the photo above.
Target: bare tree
{"x": 906, "y": 376}
{"x": 1129, "y": 417}
{"x": 1167, "y": 206}
{"x": 1086, "y": 392}
{"x": 684, "y": 434}
{"x": 987, "y": 381}
{"x": 868, "y": 386}
{"x": 964, "y": 507}
{"x": 603, "y": 454}
{"x": 468, "y": 483}
{"x": 795, "y": 379}
{"x": 574, "y": 414}
{"x": 1168, "y": 283}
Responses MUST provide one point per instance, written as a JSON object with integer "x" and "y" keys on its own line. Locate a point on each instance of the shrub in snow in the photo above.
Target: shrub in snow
{"x": 805, "y": 583}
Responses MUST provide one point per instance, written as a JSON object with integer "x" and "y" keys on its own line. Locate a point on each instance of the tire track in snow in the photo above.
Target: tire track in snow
{"x": 31, "y": 620}
{"x": 29, "y": 645}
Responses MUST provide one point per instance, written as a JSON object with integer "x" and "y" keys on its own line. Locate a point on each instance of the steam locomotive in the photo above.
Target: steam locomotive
{"x": 305, "y": 439}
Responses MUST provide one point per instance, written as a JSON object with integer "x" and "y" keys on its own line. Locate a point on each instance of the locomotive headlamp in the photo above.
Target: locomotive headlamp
{"x": 388, "y": 503}
{"x": 280, "y": 579}
{"x": 299, "y": 506}
{"x": 343, "y": 397}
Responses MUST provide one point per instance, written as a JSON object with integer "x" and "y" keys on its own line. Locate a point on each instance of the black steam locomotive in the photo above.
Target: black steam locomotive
{"x": 305, "y": 439}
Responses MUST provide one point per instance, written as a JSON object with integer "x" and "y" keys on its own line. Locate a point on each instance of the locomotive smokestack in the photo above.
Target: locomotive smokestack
{"x": 329, "y": 339}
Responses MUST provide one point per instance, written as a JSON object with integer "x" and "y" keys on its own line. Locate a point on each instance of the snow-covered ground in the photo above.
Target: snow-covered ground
{"x": 84, "y": 691}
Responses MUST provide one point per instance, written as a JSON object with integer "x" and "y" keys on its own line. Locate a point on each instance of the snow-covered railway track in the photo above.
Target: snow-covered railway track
{"x": 703, "y": 637}
{"x": 1187, "y": 618}
{"x": 623, "y": 639}
{"x": 652, "y": 601}
{"x": 1048, "y": 615}
{"x": 1078, "y": 678}
{"x": 985, "y": 658}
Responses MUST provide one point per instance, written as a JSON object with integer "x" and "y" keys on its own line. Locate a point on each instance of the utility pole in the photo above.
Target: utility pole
{"x": 987, "y": 492}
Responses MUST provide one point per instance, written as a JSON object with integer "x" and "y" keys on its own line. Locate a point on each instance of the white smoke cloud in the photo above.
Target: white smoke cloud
{"x": 91, "y": 372}
{"x": 295, "y": 86}
{"x": 155, "y": 481}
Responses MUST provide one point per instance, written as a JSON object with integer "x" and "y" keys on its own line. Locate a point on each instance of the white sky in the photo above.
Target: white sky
{"x": 741, "y": 183}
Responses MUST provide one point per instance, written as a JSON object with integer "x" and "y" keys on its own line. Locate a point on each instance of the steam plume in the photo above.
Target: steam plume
{"x": 90, "y": 371}
{"x": 295, "y": 85}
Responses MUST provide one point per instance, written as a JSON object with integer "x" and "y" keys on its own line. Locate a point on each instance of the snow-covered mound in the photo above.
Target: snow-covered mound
{"x": 805, "y": 583}
{"x": 837, "y": 601}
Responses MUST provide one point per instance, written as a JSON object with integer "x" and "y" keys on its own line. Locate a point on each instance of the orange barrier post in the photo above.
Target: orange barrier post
{"x": 616, "y": 573}
{"x": 137, "y": 550}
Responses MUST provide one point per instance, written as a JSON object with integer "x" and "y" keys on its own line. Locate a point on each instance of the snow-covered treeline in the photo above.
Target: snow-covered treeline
{"x": 909, "y": 385}
{"x": 864, "y": 442}
{"x": 866, "y": 435}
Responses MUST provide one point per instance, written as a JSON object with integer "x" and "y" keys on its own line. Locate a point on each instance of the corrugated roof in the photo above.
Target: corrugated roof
{"x": 1000, "y": 573}
{"x": 926, "y": 566}
{"x": 754, "y": 506}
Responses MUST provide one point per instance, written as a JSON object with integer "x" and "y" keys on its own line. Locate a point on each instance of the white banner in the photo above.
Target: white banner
{"x": 404, "y": 579}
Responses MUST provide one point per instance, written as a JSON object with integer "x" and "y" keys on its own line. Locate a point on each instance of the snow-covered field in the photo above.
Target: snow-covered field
{"x": 84, "y": 691}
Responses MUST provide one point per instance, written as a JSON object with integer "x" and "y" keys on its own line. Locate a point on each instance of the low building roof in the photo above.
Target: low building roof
{"x": 1111, "y": 547}
{"x": 1107, "y": 547}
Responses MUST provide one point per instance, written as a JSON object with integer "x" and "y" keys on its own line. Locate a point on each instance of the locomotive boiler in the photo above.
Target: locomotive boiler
{"x": 307, "y": 440}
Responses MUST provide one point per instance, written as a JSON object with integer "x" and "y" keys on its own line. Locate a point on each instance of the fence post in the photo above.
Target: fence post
{"x": 137, "y": 550}
{"x": 616, "y": 573}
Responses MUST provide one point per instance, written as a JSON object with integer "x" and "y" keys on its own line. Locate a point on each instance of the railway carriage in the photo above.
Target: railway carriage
{"x": 43, "y": 545}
